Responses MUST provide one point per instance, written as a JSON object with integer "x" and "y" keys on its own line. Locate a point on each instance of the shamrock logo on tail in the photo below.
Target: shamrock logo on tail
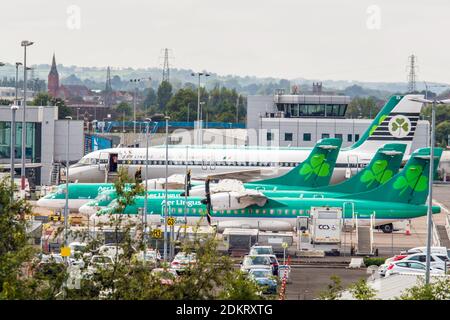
{"x": 412, "y": 179}
{"x": 317, "y": 166}
{"x": 377, "y": 173}
{"x": 399, "y": 126}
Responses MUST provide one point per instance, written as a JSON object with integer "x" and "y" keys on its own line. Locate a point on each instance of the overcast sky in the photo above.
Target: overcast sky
{"x": 316, "y": 39}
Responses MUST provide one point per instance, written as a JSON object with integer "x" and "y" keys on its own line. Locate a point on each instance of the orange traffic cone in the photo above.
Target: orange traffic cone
{"x": 408, "y": 228}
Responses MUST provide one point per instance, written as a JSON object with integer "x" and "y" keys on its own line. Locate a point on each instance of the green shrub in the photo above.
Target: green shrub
{"x": 374, "y": 261}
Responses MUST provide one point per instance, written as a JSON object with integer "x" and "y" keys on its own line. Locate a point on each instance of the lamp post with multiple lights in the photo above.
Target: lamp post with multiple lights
{"x": 134, "y": 99}
{"x": 24, "y": 44}
{"x": 433, "y": 103}
{"x": 199, "y": 74}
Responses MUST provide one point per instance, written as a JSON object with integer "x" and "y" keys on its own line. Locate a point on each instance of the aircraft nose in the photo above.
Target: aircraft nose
{"x": 43, "y": 202}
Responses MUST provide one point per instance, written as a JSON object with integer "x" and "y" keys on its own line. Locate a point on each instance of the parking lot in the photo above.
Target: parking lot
{"x": 307, "y": 282}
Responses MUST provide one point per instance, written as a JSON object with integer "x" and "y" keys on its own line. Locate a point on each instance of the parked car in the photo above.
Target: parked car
{"x": 436, "y": 250}
{"x": 265, "y": 279}
{"x": 182, "y": 260}
{"x": 99, "y": 262}
{"x": 77, "y": 248}
{"x": 150, "y": 256}
{"x": 382, "y": 268}
{"x": 256, "y": 262}
{"x": 52, "y": 258}
{"x": 111, "y": 250}
{"x": 256, "y": 250}
{"x": 273, "y": 261}
{"x": 166, "y": 276}
{"x": 437, "y": 261}
{"x": 50, "y": 265}
{"x": 403, "y": 266}
{"x": 78, "y": 252}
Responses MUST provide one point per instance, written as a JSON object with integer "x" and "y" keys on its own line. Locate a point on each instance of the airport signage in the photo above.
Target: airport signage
{"x": 156, "y": 233}
{"x": 171, "y": 221}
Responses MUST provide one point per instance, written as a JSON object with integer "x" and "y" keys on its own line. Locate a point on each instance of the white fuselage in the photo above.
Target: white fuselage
{"x": 210, "y": 160}
{"x": 266, "y": 224}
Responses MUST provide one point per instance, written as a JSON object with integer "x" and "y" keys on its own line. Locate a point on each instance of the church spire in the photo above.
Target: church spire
{"x": 53, "y": 69}
{"x": 53, "y": 79}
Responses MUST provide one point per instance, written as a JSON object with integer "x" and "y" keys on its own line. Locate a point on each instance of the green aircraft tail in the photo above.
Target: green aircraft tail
{"x": 384, "y": 165}
{"x": 315, "y": 171}
{"x": 411, "y": 184}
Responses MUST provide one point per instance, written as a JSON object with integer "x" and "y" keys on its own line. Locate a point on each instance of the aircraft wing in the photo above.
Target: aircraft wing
{"x": 251, "y": 197}
{"x": 237, "y": 199}
{"x": 17, "y": 165}
{"x": 243, "y": 175}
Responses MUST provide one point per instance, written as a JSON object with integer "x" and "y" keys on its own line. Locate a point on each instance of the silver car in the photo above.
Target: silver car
{"x": 256, "y": 262}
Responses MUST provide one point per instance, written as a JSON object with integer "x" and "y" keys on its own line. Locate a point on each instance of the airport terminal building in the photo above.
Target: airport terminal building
{"x": 300, "y": 120}
{"x": 46, "y": 141}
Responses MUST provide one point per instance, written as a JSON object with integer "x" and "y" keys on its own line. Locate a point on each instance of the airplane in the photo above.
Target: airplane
{"x": 82, "y": 193}
{"x": 314, "y": 172}
{"x": 383, "y": 166}
{"x": 402, "y": 197}
{"x": 320, "y": 163}
{"x": 234, "y": 161}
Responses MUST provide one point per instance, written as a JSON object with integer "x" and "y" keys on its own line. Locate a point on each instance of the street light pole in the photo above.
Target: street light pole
{"x": 199, "y": 130}
{"x": 430, "y": 195}
{"x": 134, "y": 103}
{"x": 14, "y": 108}
{"x": 433, "y": 103}
{"x": 17, "y": 81}
{"x": 165, "y": 187}
{"x": 148, "y": 120}
{"x": 24, "y": 44}
{"x": 66, "y": 207}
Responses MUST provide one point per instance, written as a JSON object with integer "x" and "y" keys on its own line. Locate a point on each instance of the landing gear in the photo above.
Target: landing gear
{"x": 387, "y": 228}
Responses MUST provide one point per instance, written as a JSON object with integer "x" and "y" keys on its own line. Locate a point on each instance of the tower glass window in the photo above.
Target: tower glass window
{"x": 349, "y": 138}
{"x": 356, "y": 137}
{"x": 33, "y": 141}
{"x": 288, "y": 137}
{"x": 325, "y": 135}
{"x": 307, "y": 137}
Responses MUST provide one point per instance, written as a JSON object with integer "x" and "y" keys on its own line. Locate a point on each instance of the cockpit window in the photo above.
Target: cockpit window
{"x": 104, "y": 197}
{"x": 61, "y": 190}
{"x": 87, "y": 161}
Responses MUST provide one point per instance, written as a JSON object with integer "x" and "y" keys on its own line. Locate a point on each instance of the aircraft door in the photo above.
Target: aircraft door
{"x": 302, "y": 224}
{"x": 113, "y": 162}
{"x": 348, "y": 212}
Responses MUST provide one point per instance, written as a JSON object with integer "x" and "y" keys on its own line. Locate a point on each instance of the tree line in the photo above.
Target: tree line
{"x": 219, "y": 104}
